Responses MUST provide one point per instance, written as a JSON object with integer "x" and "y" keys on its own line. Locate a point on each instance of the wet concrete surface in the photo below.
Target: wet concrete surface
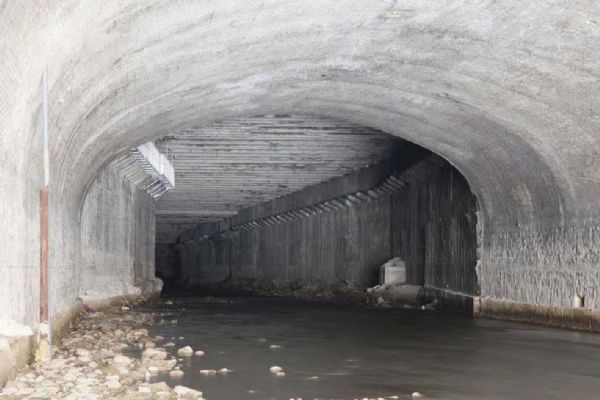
{"x": 348, "y": 352}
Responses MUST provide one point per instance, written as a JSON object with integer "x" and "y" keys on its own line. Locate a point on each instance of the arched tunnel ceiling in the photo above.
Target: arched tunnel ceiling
{"x": 223, "y": 167}
{"x": 506, "y": 91}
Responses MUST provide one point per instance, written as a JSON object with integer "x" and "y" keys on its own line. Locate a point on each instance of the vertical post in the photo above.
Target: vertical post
{"x": 44, "y": 275}
{"x": 43, "y": 255}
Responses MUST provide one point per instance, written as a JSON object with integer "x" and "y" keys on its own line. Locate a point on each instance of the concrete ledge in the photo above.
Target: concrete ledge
{"x": 580, "y": 319}
{"x": 123, "y": 300}
{"x": 99, "y": 303}
{"x": 16, "y": 356}
{"x": 454, "y": 302}
{"x": 21, "y": 351}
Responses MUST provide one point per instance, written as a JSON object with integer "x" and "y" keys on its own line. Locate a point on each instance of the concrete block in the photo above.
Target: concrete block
{"x": 393, "y": 271}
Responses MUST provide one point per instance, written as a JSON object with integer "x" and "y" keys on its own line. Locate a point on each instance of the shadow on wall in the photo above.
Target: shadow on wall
{"x": 167, "y": 265}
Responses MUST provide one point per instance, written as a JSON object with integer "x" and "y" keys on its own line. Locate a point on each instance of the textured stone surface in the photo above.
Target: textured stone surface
{"x": 117, "y": 236}
{"x": 117, "y": 251}
{"x": 546, "y": 266}
{"x": 505, "y": 91}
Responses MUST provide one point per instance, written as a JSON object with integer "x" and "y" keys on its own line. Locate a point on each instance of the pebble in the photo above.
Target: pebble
{"x": 154, "y": 354}
{"x": 186, "y": 351}
{"x": 69, "y": 377}
{"x": 140, "y": 332}
{"x": 275, "y": 346}
{"x": 82, "y": 352}
{"x": 186, "y": 392}
{"x": 24, "y": 391}
{"x": 274, "y": 369}
{"x": 176, "y": 373}
{"x": 199, "y": 353}
{"x": 113, "y": 384}
{"x": 121, "y": 359}
{"x": 416, "y": 395}
{"x": 144, "y": 389}
{"x": 208, "y": 372}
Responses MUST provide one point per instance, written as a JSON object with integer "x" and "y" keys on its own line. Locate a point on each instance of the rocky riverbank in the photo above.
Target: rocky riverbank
{"x": 108, "y": 355}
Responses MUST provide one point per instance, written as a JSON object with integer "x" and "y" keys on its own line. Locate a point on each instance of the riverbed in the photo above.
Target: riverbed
{"x": 348, "y": 352}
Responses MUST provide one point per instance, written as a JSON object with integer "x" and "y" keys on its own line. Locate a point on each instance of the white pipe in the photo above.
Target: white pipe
{"x": 47, "y": 185}
{"x": 46, "y": 140}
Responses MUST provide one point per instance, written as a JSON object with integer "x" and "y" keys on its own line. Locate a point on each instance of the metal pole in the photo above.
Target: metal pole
{"x": 44, "y": 273}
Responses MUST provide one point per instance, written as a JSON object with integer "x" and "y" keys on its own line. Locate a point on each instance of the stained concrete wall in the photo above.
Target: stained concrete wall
{"x": 115, "y": 228}
{"x": 19, "y": 246}
{"x": 117, "y": 237}
{"x": 506, "y": 91}
{"x": 434, "y": 227}
{"x": 428, "y": 219}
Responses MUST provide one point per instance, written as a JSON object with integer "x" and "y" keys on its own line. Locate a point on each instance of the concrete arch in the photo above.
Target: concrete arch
{"x": 506, "y": 92}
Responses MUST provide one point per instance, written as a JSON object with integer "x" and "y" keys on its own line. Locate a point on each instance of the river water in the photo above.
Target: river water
{"x": 345, "y": 352}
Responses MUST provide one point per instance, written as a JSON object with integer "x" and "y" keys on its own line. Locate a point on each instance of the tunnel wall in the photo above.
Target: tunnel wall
{"x": 19, "y": 247}
{"x": 428, "y": 219}
{"x": 434, "y": 228}
{"x": 508, "y": 94}
{"x": 117, "y": 237}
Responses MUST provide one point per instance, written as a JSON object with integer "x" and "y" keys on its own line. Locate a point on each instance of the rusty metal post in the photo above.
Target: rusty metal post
{"x": 44, "y": 255}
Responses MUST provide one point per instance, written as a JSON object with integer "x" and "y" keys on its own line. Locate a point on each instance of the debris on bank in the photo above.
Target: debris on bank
{"x": 392, "y": 291}
{"x": 101, "y": 359}
{"x": 400, "y": 295}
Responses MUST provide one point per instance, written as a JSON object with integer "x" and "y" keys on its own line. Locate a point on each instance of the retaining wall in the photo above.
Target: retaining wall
{"x": 344, "y": 229}
{"x": 117, "y": 237}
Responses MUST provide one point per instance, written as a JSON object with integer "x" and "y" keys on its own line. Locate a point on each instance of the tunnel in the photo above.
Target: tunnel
{"x": 435, "y": 158}
{"x": 308, "y": 205}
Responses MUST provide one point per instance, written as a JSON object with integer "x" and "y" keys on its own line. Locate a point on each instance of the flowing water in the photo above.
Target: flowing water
{"x": 343, "y": 352}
